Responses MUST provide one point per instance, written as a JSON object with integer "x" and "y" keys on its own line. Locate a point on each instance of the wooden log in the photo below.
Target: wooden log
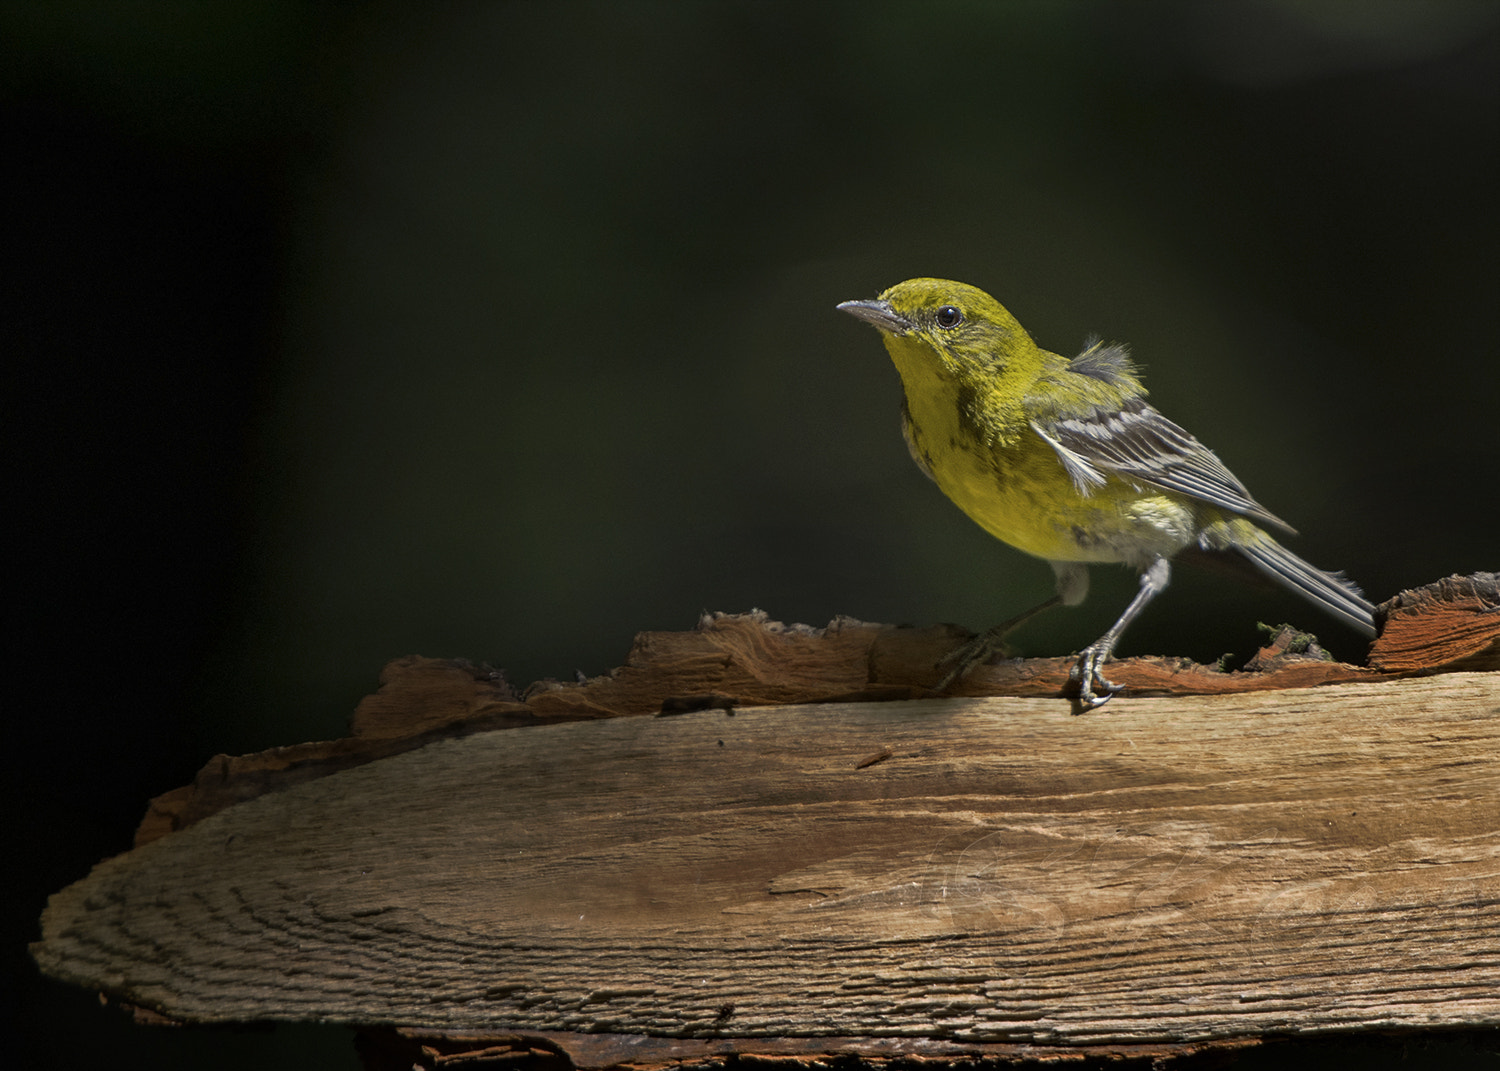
{"x": 1181, "y": 869}
{"x": 948, "y": 879}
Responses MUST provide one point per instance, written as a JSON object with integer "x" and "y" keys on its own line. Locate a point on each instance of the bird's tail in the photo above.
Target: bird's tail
{"x": 1335, "y": 593}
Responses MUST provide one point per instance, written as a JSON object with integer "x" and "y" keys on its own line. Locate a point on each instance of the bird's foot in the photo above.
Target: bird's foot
{"x": 1094, "y": 688}
{"x": 986, "y": 647}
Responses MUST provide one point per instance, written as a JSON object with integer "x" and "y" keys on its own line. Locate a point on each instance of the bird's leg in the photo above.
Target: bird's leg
{"x": 1088, "y": 672}
{"x": 987, "y": 645}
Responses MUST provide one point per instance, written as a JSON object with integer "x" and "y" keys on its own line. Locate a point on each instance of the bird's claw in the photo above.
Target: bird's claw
{"x": 1088, "y": 674}
{"x": 1094, "y": 688}
{"x": 983, "y": 648}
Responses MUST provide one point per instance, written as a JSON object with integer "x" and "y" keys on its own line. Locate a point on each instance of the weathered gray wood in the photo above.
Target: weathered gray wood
{"x": 1163, "y": 869}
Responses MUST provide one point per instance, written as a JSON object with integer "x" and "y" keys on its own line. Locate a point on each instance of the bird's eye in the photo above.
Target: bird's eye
{"x": 949, "y": 316}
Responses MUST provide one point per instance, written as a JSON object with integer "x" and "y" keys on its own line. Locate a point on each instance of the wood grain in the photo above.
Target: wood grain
{"x": 749, "y": 660}
{"x": 1167, "y": 869}
{"x": 1453, "y": 623}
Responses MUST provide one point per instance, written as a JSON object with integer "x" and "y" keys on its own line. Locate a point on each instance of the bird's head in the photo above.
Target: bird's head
{"x": 959, "y": 327}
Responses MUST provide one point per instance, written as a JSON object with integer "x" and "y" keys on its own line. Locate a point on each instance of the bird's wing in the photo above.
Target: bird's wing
{"x": 1114, "y": 431}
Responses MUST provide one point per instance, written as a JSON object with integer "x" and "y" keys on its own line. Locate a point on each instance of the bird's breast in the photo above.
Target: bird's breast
{"x": 1022, "y": 495}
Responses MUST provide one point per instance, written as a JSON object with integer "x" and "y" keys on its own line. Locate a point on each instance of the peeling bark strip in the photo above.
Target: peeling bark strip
{"x": 1176, "y": 869}
{"x": 1450, "y": 624}
{"x": 747, "y": 660}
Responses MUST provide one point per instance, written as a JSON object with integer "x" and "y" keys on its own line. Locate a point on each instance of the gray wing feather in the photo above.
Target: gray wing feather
{"x": 1137, "y": 443}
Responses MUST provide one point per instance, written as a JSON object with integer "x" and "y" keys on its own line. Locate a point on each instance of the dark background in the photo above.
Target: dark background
{"x": 505, "y": 331}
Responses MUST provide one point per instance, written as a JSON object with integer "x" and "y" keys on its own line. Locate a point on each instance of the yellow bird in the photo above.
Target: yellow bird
{"x": 1064, "y": 459}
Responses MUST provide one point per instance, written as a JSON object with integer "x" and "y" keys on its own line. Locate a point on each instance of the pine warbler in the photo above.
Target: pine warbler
{"x": 1065, "y": 460}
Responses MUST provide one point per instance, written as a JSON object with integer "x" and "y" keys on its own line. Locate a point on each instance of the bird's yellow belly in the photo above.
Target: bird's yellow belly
{"x": 1024, "y": 497}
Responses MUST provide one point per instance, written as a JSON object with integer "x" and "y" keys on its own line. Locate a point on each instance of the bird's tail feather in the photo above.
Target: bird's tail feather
{"x": 1332, "y": 591}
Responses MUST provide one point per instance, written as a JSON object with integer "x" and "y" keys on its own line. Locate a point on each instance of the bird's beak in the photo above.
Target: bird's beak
{"x": 878, "y": 313}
